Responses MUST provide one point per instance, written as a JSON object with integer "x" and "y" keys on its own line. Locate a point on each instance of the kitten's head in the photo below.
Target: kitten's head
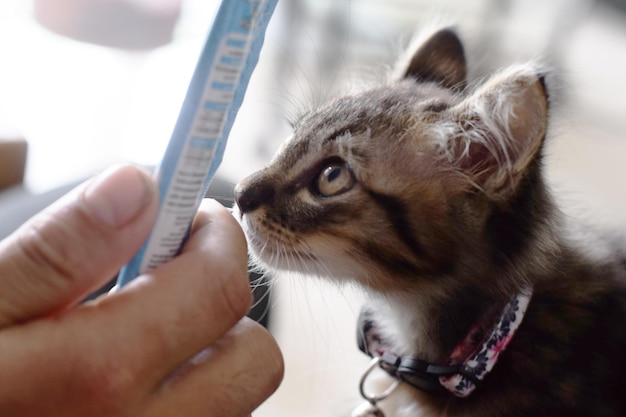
{"x": 398, "y": 183}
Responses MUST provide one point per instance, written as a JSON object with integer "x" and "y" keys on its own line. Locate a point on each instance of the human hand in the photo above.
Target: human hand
{"x": 170, "y": 343}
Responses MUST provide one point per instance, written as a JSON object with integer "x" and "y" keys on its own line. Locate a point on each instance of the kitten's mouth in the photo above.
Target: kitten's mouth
{"x": 281, "y": 255}
{"x": 273, "y": 249}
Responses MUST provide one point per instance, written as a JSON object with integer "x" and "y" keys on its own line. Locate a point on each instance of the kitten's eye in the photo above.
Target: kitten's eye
{"x": 334, "y": 180}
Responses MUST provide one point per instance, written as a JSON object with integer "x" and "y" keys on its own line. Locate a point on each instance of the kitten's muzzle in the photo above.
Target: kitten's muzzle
{"x": 249, "y": 196}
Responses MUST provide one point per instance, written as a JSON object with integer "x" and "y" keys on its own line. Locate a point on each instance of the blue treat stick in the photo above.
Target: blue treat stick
{"x": 198, "y": 141}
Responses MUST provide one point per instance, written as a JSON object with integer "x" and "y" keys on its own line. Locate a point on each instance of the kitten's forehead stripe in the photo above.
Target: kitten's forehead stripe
{"x": 297, "y": 150}
{"x": 436, "y": 107}
{"x": 353, "y": 128}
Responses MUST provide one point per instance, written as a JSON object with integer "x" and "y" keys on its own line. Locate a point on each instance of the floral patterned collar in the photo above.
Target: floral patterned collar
{"x": 468, "y": 364}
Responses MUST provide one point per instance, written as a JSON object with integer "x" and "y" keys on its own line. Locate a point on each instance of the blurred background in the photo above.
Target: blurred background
{"x": 88, "y": 83}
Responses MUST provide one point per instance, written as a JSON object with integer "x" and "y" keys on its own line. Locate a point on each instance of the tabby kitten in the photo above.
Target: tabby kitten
{"x": 431, "y": 195}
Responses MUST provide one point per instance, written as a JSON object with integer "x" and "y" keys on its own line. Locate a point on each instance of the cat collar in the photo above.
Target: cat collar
{"x": 468, "y": 364}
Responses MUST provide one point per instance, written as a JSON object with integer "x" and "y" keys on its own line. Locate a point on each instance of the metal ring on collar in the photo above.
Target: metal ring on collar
{"x": 373, "y": 399}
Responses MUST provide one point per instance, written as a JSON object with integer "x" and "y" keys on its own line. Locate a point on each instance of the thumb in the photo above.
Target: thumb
{"x": 75, "y": 245}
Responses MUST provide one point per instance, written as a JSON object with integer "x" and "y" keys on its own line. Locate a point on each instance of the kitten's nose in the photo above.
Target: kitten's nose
{"x": 250, "y": 197}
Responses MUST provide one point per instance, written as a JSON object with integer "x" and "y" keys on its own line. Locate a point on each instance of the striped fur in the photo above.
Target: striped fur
{"x": 442, "y": 212}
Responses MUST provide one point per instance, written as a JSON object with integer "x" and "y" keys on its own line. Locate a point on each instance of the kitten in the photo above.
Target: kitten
{"x": 431, "y": 195}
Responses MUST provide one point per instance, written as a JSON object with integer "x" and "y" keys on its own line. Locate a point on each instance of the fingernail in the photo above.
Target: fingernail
{"x": 117, "y": 195}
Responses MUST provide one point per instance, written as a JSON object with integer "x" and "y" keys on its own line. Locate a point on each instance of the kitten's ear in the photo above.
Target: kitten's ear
{"x": 439, "y": 58}
{"x": 502, "y": 127}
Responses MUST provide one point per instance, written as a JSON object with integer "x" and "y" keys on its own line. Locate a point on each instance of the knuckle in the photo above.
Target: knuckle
{"x": 46, "y": 248}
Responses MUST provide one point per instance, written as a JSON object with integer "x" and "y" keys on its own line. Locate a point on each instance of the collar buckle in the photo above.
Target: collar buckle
{"x": 420, "y": 374}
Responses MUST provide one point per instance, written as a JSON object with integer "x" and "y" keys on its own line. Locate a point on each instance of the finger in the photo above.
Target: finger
{"x": 75, "y": 245}
{"x": 240, "y": 371}
{"x": 210, "y": 210}
{"x": 181, "y": 307}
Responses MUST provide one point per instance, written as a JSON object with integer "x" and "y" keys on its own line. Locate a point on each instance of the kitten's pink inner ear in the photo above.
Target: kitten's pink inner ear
{"x": 509, "y": 117}
{"x": 439, "y": 59}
